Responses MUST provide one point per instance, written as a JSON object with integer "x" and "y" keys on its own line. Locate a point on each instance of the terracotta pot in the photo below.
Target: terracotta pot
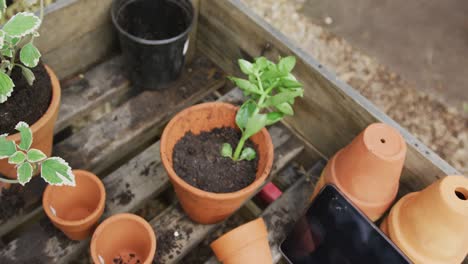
{"x": 43, "y": 129}
{"x": 76, "y": 210}
{"x": 202, "y": 206}
{"x": 247, "y": 243}
{"x": 431, "y": 226}
{"x": 125, "y": 236}
{"x": 368, "y": 170}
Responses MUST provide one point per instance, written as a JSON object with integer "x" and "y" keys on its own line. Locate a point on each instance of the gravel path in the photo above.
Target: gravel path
{"x": 443, "y": 129}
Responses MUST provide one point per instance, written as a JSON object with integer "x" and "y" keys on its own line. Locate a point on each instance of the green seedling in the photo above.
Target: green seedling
{"x": 27, "y": 160}
{"x": 270, "y": 90}
{"x": 17, "y": 38}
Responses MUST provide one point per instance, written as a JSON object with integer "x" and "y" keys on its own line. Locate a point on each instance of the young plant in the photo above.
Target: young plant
{"x": 27, "y": 160}
{"x": 17, "y": 37}
{"x": 270, "y": 90}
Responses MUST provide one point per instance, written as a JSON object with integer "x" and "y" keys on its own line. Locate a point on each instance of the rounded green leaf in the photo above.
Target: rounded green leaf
{"x": 273, "y": 117}
{"x": 27, "y": 74}
{"x": 254, "y": 124}
{"x": 35, "y": 155}
{"x": 246, "y": 85}
{"x": 248, "y": 154}
{"x": 226, "y": 150}
{"x": 6, "y": 87}
{"x": 25, "y": 172}
{"x": 283, "y": 97}
{"x": 287, "y": 64}
{"x": 30, "y": 55}
{"x": 7, "y": 147}
{"x": 17, "y": 158}
{"x": 244, "y": 112}
{"x": 285, "y": 108}
{"x": 245, "y": 66}
{"x": 22, "y": 24}
{"x": 56, "y": 171}
{"x": 25, "y": 134}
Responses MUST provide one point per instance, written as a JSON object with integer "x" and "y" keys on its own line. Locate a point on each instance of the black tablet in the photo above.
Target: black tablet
{"x": 334, "y": 231}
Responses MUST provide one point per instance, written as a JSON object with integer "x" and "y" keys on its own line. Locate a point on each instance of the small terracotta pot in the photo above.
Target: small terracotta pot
{"x": 43, "y": 129}
{"x": 431, "y": 226}
{"x": 368, "y": 170}
{"x": 202, "y": 206}
{"x": 76, "y": 210}
{"x": 123, "y": 236}
{"x": 247, "y": 243}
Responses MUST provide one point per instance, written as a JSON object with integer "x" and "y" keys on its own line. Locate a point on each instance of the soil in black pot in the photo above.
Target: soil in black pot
{"x": 197, "y": 160}
{"x": 154, "y": 19}
{"x": 26, "y": 103}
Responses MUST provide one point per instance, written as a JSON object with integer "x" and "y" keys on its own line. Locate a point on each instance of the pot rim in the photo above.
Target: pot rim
{"x": 256, "y": 184}
{"x": 95, "y": 214}
{"x": 117, "y": 217}
{"x": 115, "y": 10}
{"x": 54, "y": 104}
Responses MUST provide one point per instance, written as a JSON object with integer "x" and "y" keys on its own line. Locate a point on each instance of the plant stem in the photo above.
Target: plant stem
{"x": 239, "y": 147}
{"x": 8, "y": 180}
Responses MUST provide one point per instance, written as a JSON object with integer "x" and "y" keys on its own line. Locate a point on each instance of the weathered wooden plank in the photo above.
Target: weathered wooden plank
{"x": 331, "y": 112}
{"x": 181, "y": 234}
{"x": 193, "y": 34}
{"x": 130, "y": 127}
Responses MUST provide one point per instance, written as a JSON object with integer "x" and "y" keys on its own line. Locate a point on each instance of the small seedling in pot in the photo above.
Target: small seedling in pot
{"x": 270, "y": 90}
{"x": 54, "y": 170}
{"x": 17, "y": 37}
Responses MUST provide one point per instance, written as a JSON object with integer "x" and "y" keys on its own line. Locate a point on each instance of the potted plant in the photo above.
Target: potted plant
{"x": 431, "y": 226}
{"x": 218, "y": 155}
{"x": 125, "y": 239}
{"x": 27, "y": 93}
{"x": 76, "y": 210}
{"x": 247, "y": 243}
{"x": 368, "y": 170}
{"x": 154, "y": 38}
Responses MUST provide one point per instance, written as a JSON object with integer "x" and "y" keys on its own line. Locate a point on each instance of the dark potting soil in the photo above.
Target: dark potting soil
{"x": 197, "y": 160}
{"x": 26, "y": 103}
{"x": 154, "y": 20}
{"x": 12, "y": 202}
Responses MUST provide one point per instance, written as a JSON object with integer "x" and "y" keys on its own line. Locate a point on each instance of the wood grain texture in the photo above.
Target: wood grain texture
{"x": 193, "y": 34}
{"x": 331, "y": 113}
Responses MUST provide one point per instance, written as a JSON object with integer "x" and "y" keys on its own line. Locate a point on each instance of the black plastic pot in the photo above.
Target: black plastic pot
{"x": 154, "y": 39}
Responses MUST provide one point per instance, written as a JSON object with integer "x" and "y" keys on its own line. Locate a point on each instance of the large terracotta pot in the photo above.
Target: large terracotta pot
{"x": 43, "y": 129}
{"x": 125, "y": 237}
{"x": 201, "y": 206}
{"x": 247, "y": 243}
{"x": 368, "y": 170}
{"x": 431, "y": 226}
{"x": 76, "y": 210}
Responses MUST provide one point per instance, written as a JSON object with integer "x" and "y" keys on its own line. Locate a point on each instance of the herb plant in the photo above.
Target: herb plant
{"x": 270, "y": 90}
{"x": 27, "y": 160}
{"x": 17, "y": 37}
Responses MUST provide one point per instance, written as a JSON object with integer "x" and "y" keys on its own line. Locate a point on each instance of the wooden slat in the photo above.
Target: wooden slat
{"x": 104, "y": 143}
{"x": 331, "y": 112}
{"x": 191, "y": 234}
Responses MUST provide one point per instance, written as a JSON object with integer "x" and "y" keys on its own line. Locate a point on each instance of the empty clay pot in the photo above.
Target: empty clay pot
{"x": 368, "y": 170}
{"x": 125, "y": 237}
{"x": 76, "y": 210}
{"x": 201, "y": 206}
{"x": 247, "y": 243}
{"x": 43, "y": 129}
{"x": 431, "y": 226}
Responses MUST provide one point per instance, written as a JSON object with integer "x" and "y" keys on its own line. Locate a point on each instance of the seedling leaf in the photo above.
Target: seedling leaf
{"x": 244, "y": 112}
{"x": 30, "y": 55}
{"x": 283, "y": 97}
{"x": 26, "y": 135}
{"x": 35, "y": 155}
{"x": 226, "y": 150}
{"x": 27, "y": 74}
{"x": 248, "y": 154}
{"x": 285, "y": 108}
{"x": 56, "y": 171}
{"x": 273, "y": 117}
{"x": 17, "y": 158}
{"x": 255, "y": 123}
{"x": 7, "y": 147}
{"x": 245, "y": 66}
{"x": 25, "y": 172}
{"x": 286, "y": 65}
{"x": 245, "y": 85}
{"x": 6, "y": 87}
{"x": 22, "y": 24}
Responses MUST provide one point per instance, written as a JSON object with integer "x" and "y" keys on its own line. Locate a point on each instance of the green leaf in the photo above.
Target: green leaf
{"x": 244, "y": 112}
{"x": 22, "y": 24}
{"x": 261, "y": 63}
{"x": 288, "y": 83}
{"x": 246, "y": 67}
{"x": 283, "y": 97}
{"x": 30, "y": 55}
{"x": 25, "y": 173}
{"x": 56, "y": 171}
{"x": 12, "y": 40}
{"x": 7, "y": 147}
{"x": 273, "y": 117}
{"x": 26, "y": 135}
{"x": 285, "y": 108}
{"x": 3, "y": 7}
{"x": 35, "y": 155}
{"x": 2, "y": 36}
{"x": 226, "y": 150}
{"x": 7, "y": 52}
{"x": 17, "y": 158}
{"x": 6, "y": 87}
{"x": 248, "y": 154}
{"x": 286, "y": 65}
{"x": 254, "y": 124}
{"x": 245, "y": 85}
{"x": 27, "y": 74}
